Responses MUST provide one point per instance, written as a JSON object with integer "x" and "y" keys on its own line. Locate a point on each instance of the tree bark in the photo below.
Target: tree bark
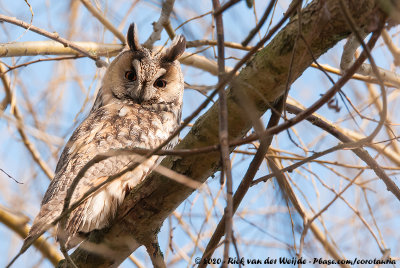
{"x": 263, "y": 81}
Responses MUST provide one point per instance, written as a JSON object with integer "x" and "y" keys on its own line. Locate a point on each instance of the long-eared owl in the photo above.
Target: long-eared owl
{"x": 138, "y": 106}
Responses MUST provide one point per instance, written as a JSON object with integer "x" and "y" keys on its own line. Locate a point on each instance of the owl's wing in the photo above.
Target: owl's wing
{"x": 102, "y": 131}
{"x": 72, "y": 158}
{"x": 85, "y": 143}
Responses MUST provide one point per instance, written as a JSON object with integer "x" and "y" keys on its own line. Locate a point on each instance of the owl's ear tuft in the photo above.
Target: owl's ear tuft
{"x": 176, "y": 49}
{"x": 133, "y": 39}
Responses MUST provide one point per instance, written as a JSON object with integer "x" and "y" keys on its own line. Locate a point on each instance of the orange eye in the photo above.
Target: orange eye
{"x": 130, "y": 75}
{"x": 160, "y": 83}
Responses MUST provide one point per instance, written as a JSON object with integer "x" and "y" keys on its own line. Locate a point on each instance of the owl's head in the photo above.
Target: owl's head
{"x": 139, "y": 75}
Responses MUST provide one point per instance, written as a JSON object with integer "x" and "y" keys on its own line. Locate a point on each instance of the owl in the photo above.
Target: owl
{"x": 138, "y": 106}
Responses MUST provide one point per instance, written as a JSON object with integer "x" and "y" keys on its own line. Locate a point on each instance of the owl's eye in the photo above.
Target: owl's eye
{"x": 130, "y": 75}
{"x": 160, "y": 83}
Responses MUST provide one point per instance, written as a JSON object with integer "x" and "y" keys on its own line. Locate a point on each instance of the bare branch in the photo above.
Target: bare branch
{"x": 17, "y": 223}
{"x": 321, "y": 237}
{"x": 243, "y": 187}
{"x": 103, "y": 20}
{"x": 53, "y": 36}
{"x": 389, "y": 81}
{"x": 393, "y": 49}
{"x": 253, "y": 32}
{"x": 225, "y": 7}
{"x": 20, "y": 126}
{"x": 35, "y": 48}
{"x": 158, "y": 26}
{"x": 198, "y": 43}
{"x": 361, "y": 153}
{"x": 223, "y": 134}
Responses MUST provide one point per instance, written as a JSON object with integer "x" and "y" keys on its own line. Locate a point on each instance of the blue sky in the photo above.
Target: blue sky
{"x": 262, "y": 221}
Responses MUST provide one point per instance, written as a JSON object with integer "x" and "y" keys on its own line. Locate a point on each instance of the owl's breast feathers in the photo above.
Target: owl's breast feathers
{"x": 111, "y": 127}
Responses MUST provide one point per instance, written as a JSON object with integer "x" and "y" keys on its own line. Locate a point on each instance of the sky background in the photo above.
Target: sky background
{"x": 262, "y": 222}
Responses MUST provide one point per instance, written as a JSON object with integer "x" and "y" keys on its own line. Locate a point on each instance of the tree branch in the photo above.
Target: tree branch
{"x": 54, "y": 36}
{"x": 17, "y": 223}
{"x": 102, "y": 18}
{"x": 158, "y": 26}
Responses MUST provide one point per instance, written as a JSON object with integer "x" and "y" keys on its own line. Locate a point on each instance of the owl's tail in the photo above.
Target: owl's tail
{"x": 34, "y": 233}
{"x": 29, "y": 240}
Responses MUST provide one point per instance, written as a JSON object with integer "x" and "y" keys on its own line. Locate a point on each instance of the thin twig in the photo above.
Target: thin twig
{"x": 6, "y": 84}
{"x": 320, "y": 102}
{"x": 64, "y": 251}
{"x": 11, "y": 177}
{"x": 41, "y": 60}
{"x": 387, "y": 152}
{"x": 285, "y": 186}
{"x": 253, "y": 32}
{"x": 392, "y": 48}
{"x": 301, "y": 162}
{"x": 367, "y": 51}
{"x": 158, "y": 26}
{"x": 361, "y": 153}
{"x": 309, "y": 221}
{"x": 20, "y": 127}
{"x": 364, "y": 78}
{"x": 223, "y": 134}
{"x": 192, "y": 19}
{"x": 103, "y": 20}
{"x": 225, "y": 7}
{"x": 265, "y": 142}
{"x": 136, "y": 262}
{"x": 289, "y": 75}
{"x": 199, "y": 43}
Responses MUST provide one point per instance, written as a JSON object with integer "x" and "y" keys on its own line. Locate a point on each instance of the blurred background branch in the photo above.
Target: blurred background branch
{"x": 48, "y": 87}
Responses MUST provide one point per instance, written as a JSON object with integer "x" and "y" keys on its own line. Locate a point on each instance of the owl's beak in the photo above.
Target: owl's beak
{"x": 140, "y": 99}
{"x": 144, "y": 94}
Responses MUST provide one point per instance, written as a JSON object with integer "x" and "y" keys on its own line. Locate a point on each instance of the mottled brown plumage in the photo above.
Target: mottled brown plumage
{"x": 138, "y": 106}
